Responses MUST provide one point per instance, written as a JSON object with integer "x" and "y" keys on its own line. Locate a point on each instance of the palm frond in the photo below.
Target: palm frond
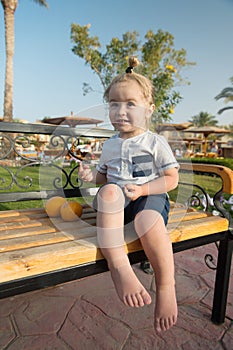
{"x": 225, "y": 93}
{"x": 42, "y": 3}
{"x": 224, "y": 109}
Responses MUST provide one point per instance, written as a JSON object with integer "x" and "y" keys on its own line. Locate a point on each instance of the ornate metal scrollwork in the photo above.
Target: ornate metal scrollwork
{"x": 78, "y": 181}
{"x": 198, "y": 199}
{"x": 218, "y": 201}
{"x": 210, "y": 261}
{"x": 6, "y": 185}
{"x": 215, "y": 204}
{"x": 7, "y": 145}
{"x": 19, "y": 154}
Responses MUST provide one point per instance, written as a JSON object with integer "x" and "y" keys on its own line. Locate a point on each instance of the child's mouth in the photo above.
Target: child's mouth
{"x": 121, "y": 122}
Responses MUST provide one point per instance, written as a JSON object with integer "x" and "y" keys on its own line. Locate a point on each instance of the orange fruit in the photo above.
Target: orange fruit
{"x": 71, "y": 211}
{"x": 53, "y": 205}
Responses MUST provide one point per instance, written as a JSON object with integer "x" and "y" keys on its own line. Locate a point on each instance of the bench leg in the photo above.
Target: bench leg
{"x": 222, "y": 279}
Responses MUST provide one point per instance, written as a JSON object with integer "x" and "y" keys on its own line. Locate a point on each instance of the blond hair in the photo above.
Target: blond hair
{"x": 145, "y": 84}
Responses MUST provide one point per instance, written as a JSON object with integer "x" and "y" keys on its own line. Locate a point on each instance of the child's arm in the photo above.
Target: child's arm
{"x": 162, "y": 184}
{"x": 87, "y": 174}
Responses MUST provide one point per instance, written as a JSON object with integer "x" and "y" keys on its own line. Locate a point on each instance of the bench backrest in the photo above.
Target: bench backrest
{"x": 29, "y": 171}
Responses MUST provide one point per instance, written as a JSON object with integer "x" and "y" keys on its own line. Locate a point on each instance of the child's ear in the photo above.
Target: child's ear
{"x": 151, "y": 109}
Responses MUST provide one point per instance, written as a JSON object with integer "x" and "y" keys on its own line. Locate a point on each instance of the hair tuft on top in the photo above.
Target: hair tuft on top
{"x": 133, "y": 62}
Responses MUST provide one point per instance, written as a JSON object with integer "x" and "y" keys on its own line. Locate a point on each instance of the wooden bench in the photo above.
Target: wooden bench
{"x": 37, "y": 251}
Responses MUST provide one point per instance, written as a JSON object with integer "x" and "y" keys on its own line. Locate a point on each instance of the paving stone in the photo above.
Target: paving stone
{"x": 87, "y": 327}
{"x": 208, "y": 278}
{"x": 189, "y": 289}
{"x": 145, "y": 339}
{"x": 40, "y": 342}
{"x": 193, "y": 260}
{"x": 7, "y": 333}
{"x": 42, "y": 315}
{"x": 200, "y": 343}
{"x": 174, "y": 339}
{"x": 110, "y": 304}
{"x": 9, "y": 305}
{"x": 78, "y": 288}
{"x": 229, "y": 311}
{"x": 228, "y": 339}
{"x": 196, "y": 320}
{"x": 208, "y": 300}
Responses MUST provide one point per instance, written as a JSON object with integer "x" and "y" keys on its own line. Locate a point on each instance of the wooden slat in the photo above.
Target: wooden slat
{"x": 26, "y": 232}
{"x": 197, "y": 228}
{"x": 87, "y": 221}
{"x": 83, "y": 233}
{"x": 186, "y": 216}
{"x": 46, "y": 258}
{"x": 23, "y": 217}
{"x": 7, "y": 213}
{"x": 16, "y": 225}
{"x": 33, "y": 241}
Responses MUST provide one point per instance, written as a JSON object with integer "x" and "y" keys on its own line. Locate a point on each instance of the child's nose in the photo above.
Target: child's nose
{"x": 121, "y": 109}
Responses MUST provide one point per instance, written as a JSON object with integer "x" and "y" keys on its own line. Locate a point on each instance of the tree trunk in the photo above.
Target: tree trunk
{"x": 9, "y": 7}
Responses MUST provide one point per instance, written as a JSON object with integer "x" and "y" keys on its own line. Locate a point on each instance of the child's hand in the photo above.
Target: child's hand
{"x": 85, "y": 173}
{"x": 133, "y": 191}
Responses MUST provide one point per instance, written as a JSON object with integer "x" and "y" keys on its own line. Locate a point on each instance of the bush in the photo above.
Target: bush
{"x": 228, "y": 162}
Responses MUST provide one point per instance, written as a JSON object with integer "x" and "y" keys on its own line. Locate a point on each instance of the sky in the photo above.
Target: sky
{"x": 48, "y": 77}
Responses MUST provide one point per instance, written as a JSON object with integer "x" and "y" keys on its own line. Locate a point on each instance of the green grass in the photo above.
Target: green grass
{"x": 33, "y": 178}
{"x": 21, "y": 205}
{"x": 210, "y": 184}
{"x": 228, "y": 162}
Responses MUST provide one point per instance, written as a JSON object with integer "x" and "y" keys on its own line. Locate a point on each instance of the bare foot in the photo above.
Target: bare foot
{"x": 165, "y": 308}
{"x": 128, "y": 287}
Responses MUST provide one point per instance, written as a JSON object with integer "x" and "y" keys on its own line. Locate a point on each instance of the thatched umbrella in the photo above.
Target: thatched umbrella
{"x": 72, "y": 121}
{"x": 206, "y": 131}
{"x": 172, "y": 126}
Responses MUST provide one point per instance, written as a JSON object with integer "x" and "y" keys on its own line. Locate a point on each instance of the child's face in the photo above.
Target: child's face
{"x": 129, "y": 111}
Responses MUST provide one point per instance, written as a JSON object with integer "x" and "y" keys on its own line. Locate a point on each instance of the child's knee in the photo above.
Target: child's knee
{"x": 149, "y": 221}
{"x": 110, "y": 195}
{"x": 109, "y": 192}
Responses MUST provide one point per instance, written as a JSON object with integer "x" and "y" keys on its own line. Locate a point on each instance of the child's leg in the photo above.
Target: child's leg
{"x": 156, "y": 243}
{"x": 110, "y": 233}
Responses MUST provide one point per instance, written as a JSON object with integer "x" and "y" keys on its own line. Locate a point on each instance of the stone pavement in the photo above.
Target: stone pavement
{"x": 87, "y": 315}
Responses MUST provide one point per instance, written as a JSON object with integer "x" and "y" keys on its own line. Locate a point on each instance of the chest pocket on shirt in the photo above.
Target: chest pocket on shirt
{"x": 142, "y": 165}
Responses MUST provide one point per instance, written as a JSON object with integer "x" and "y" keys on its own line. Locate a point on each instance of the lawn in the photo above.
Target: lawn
{"x": 33, "y": 178}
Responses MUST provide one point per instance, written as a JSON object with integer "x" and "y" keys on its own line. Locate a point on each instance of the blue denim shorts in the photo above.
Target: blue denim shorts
{"x": 158, "y": 202}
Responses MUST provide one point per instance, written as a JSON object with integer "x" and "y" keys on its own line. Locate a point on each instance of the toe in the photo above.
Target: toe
{"x": 129, "y": 301}
{"x": 157, "y": 325}
{"x": 146, "y": 298}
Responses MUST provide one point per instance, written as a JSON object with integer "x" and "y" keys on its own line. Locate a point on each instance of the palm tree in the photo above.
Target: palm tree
{"x": 204, "y": 119}
{"x": 9, "y": 7}
{"x": 227, "y": 94}
{"x": 229, "y": 127}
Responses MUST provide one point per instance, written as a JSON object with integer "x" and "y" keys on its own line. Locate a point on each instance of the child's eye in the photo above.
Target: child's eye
{"x": 113, "y": 104}
{"x": 131, "y": 104}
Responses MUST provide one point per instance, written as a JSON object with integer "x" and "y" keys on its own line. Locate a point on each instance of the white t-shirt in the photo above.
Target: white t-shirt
{"x": 138, "y": 160}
